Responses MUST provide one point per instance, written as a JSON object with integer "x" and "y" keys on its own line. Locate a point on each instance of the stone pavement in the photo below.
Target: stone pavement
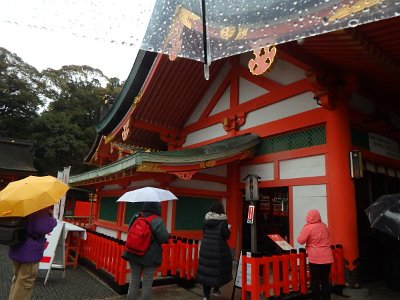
{"x": 81, "y": 284}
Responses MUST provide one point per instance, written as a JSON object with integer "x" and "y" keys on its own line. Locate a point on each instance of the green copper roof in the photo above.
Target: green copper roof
{"x": 133, "y": 84}
{"x": 214, "y": 151}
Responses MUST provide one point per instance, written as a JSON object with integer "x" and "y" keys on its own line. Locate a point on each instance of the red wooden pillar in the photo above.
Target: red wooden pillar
{"x": 342, "y": 217}
{"x": 234, "y": 206}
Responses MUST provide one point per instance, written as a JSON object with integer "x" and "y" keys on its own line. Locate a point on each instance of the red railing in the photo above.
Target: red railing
{"x": 270, "y": 275}
{"x": 180, "y": 256}
{"x": 283, "y": 274}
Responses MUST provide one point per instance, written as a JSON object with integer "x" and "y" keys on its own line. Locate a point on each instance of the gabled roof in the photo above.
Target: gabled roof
{"x": 162, "y": 99}
{"x": 174, "y": 88}
{"x": 160, "y": 95}
{"x": 16, "y": 155}
{"x": 194, "y": 159}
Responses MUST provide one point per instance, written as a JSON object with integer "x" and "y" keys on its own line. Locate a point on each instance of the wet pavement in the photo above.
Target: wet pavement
{"x": 81, "y": 284}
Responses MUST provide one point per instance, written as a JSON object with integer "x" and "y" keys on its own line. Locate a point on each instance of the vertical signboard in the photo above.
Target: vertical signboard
{"x": 250, "y": 214}
{"x": 55, "y": 243}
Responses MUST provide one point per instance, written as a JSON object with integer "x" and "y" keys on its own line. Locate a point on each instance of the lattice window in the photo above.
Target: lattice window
{"x": 190, "y": 212}
{"x": 293, "y": 140}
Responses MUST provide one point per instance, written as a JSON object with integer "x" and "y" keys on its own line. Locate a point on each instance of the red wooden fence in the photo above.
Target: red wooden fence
{"x": 270, "y": 275}
{"x": 283, "y": 274}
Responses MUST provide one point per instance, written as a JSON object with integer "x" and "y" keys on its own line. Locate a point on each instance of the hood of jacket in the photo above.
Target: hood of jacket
{"x": 152, "y": 207}
{"x": 313, "y": 216}
{"x": 212, "y": 219}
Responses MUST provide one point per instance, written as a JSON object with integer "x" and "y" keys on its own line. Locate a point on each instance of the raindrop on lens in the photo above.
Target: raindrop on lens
{"x": 354, "y": 22}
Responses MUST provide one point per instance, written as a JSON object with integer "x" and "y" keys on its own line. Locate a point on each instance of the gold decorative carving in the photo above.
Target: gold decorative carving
{"x": 242, "y": 32}
{"x": 125, "y": 131}
{"x": 207, "y": 164}
{"x": 347, "y": 10}
{"x": 149, "y": 167}
{"x": 227, "y": 32}
{"x": 183, "y": 18}
{"x": 138, "y": 97}
{"x": 264, "y": 57}
{"x": 108, "y": 138}
{"x": 186, "y": 17}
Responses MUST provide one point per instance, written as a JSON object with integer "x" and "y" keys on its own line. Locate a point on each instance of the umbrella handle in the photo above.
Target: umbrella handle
{"x": 207, "y": 56}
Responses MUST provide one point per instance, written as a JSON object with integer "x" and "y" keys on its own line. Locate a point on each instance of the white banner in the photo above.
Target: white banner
{"x": 59, "y": 208}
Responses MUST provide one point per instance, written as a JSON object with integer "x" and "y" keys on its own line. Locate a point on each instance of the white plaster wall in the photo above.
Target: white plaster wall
{"x": 142, "y": 183}
{"x": 106, "y": 231}
{"x": 200, "y": 185}
{"x": 305, "y": 198}
{"x": 249, "y": 90}
{"x": 309, "y": 166}
{"x": 286, "y": 108}
{"x": 111, "y": 187}
{"x": 169, "y": 215}
{"x": 218, "y": 171}
{"x": 285, "y": 73}
{"x": 223, "y": 103}
{"x": 281, "y": 71}
{"x": 214, "y": 131}
{"x": 265, "y": 171}
{"x": 208, "y": 95}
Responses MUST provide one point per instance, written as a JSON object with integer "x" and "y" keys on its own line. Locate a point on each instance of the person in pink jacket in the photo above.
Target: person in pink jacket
{"x": 315, "y": 235}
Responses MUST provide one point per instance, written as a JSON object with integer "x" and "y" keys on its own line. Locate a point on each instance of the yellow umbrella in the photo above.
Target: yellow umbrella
{"x": 23, "y": 197}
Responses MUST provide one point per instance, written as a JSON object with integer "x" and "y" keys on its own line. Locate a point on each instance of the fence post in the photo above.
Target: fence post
{"x": 303, "y": 271}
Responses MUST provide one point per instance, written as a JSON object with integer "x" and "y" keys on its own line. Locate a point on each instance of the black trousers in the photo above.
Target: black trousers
{"x": 320, "y": 286}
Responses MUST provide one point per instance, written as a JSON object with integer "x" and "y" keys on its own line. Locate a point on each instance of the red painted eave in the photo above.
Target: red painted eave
{"x": 172, "y": 91}
{"x": 370, "y": 51}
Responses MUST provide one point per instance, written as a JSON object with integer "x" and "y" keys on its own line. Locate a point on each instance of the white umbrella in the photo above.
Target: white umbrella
{"x": 147, "y": 194}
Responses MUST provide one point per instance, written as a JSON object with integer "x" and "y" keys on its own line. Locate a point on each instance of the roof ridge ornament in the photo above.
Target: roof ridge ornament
{"x": 264, "y": 58}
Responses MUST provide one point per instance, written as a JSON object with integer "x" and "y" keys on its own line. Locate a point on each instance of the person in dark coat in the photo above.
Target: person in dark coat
{"x": 215, "y": 257}
{"x": 148, "y": 263}
{"x": 25, "y": 256}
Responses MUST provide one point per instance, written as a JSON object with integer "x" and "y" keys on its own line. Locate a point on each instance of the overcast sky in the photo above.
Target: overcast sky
{"x": 51, "y": 33}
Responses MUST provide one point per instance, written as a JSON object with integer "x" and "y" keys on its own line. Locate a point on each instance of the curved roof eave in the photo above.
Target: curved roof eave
{"x": 214, "y": 151}
{"x": 143, "y": 63}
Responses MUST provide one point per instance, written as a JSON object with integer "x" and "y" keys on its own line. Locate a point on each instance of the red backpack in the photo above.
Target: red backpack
{"x": 139, "y": 235}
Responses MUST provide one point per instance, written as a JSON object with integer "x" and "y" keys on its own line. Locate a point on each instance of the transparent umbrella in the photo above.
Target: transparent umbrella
{"x": 207, "y": 30}
{"x": 384, "y": 214}
{"x": 202, "y": 30}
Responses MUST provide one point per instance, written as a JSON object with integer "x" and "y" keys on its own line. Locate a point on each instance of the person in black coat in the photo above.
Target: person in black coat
{"x": 215, "y": 257}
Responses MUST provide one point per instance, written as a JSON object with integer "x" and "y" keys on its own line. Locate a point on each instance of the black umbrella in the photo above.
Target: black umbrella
{"x": 384, "y": 214}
